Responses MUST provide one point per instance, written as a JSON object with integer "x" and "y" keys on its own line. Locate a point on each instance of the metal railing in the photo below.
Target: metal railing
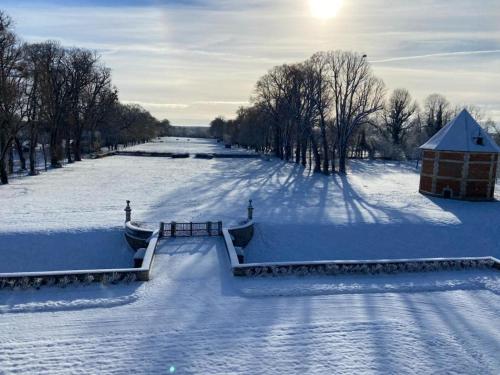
{"x": 174, "y": 229}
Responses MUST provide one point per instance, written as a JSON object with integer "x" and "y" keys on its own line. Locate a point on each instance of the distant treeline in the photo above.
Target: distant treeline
{"x": 189, "y": 131}
{"x": 332, "y": 107}
{"x": 62, "y": 101}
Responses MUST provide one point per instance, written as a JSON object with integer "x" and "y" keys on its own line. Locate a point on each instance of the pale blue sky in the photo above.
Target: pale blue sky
{"x": 190, "y": 60}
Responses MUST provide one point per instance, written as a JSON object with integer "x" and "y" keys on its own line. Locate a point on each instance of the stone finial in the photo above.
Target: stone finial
{"x": 250, "y": 210}
{"x": 128, "y": 212}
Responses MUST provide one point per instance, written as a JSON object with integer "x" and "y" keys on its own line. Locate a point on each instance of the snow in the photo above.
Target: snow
{"x": 196, "y": 316}
{"x": 187, "y": 145}
{"x": 459, "y": 135}
{"x": 376, "y": 212}
{"x": 279, "y": 243}
{"x": 64, "y": 250}
{"x": 193, "y": 315}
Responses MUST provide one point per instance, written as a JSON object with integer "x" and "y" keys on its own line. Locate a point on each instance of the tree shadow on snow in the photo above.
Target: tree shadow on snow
{"x": 68, "y": 250}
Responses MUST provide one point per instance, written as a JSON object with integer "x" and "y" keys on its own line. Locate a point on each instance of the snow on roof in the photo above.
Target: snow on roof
{"x": 463, "y": 133}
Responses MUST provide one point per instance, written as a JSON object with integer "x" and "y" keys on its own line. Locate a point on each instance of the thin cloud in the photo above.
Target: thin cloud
{"x": 444, "y": 54}
{"x": 175, "y": 56}
{"x": 185, "y": 105}
{"x": 221, "y": 102}
{"x": 158, "y": 105}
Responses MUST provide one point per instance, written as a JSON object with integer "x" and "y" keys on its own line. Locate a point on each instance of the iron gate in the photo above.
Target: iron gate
{"x": 174, "y": 229}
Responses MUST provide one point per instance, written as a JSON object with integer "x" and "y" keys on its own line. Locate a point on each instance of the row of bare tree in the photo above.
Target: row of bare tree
{"x": 330, "y": 107}
{"x": 61, "y": 99}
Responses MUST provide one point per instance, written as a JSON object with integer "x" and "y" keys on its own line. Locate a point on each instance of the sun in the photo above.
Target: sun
{"x": 324, "y": 9}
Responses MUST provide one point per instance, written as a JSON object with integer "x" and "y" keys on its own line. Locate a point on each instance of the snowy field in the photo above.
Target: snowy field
{"x": 195, "y": 316}
{"x": 189, "y": 145}
{"x": 374, "y": 213}
{"x": 64, "y": 250}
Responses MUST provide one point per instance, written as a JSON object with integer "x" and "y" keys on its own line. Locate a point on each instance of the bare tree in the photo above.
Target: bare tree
{"x": 309, "y": 115}
{"x": 80, "y": 65}
{"x": 271, "y": 95}
{"x": 217, "y": 127}
{"x": 437, "y": 113}
{"x": 97, "y": 100}
{"x": 11, "y": 90}
{"x": 53, "y": 95}
{"x": 398, "y": 115}
{"x": 323, "y": 97}
{"x": 357, "y": 95}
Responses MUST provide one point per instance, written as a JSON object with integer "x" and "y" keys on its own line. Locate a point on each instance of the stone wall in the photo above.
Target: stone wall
{"x": 333, "y": 268}
{"x": 242, "y": 234}
{"x": 341, "y": 267}
{"x": 26, "y": 280}
{"x": 136, "y": 236}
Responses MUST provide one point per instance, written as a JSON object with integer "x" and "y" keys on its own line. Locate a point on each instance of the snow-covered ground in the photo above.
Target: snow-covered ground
{"x": 64, "y": 250}
{"x": 376, "y": 212}
{"x": 195, "y": 316}
{"x": 189, "y": 145}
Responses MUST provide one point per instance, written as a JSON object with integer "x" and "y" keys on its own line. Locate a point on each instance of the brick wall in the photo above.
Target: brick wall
{"x": 468, "y": 176}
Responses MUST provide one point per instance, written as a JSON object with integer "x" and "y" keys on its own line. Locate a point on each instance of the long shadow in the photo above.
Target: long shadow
{"x": 208, "y": 323}
{"x": 280, "y": 192}
{"x": 372, "y": 167}
{"x": 423, "y": 327}
{"x": 472, "y": 336}
{"x": 71, "y": 298}
{"x": 284, "y": 194}
{"x": 52, "y": 251}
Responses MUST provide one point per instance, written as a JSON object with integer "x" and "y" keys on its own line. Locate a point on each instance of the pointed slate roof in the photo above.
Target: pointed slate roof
{"x": 462, "y": 134}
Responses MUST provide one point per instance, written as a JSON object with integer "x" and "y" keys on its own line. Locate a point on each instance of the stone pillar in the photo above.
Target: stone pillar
{"x": 435, "y": 172}
{"x": 490, "y": 194}
{"x": 465, "y": 177}
{"x": 250, "y": 210}
{"x": 128, "y": 212}
{"x": 173, "y": 227}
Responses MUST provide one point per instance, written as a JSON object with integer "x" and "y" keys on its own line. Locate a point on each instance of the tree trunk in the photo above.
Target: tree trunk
{"x": 304, "y": 152}
{"x": 44, "y": 156}
{"x": 334, "y": 156}
{"x": 310, "y": 157}
{"x": 277, "y": 143}
{"x": 91, "y": 142}
{"x": 342, "y": 158}
{"x": 297, "y": 151}
{"x": 68, "y": 150}
{"x": 324, "y": 141}
{"x": 32, "y": 156}
{"x": 288, "y": 150}
{"x": 19, "y": 148}
{"x": 54, "y": 151}
{"x": 4, "y": 142}
{"x": 11, "y": 158}
{"x": 4, "y": 178}
{"x": 317, "y": 157}
{"x": 77, "y": 147}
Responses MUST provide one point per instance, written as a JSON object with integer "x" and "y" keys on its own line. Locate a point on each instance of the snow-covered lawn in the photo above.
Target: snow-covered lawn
{"x": 64, "y": 250}
{"x": 376, "y": 212}
{"x": 189, "y": 145}
{"x": 195, "y": 316}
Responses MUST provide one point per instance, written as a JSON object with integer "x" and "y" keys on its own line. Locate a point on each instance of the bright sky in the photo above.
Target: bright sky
{"x": 190, "y": 60}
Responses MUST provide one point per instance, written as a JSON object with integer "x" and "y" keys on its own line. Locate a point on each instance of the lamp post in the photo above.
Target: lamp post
{"x": 128, "y": 212}
{"x": 250, "y": 210}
